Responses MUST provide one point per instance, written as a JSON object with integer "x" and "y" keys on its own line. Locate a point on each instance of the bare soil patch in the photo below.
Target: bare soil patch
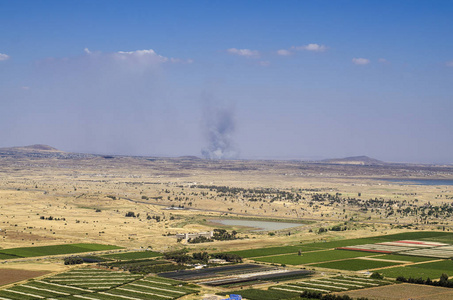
{"x": 403, "y": 292}
{"x": 8, "y": 276}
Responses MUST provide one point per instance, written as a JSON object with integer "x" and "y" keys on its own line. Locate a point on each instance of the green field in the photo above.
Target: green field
{"x": 417, "y": 235}
{"x": 432, "y": 270}
{"x": 133, "y": 255}
{"x": 273, "y": 251}
{"x": 312, "y": 257}
{"x": 55, "y": 250}
{"x": 355, "y": 264}
{"x": 408, "y": 258}
{"x": 8, "y": 256}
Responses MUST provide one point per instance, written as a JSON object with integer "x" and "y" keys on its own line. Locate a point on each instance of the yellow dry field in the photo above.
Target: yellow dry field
{"x": 403, "y": 292}
{"x": 45, "y": 201}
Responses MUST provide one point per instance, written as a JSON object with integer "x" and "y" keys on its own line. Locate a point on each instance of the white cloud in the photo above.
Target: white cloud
{"x": 25, "y": 88}
{"x": 87, "y": 51}
{"x": 244, "y": 52}
{"x": 449, "y": 63}
{"x": 3, "y": 56}
{"x": 360, "y": 61}
{"x": 284, "y": 52}
{"x": 311, "y": 47}
{"x": 264, "y": 63}
{"x": 383, "y": 60}
{"x": 142, "y": 55}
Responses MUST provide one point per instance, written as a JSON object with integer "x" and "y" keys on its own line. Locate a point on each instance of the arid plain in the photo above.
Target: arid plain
{"x": 49, "y": 197}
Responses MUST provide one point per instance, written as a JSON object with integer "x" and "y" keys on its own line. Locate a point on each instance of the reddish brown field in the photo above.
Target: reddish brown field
{"x": 403, "y": 291}
{"x": 8, "y": 276}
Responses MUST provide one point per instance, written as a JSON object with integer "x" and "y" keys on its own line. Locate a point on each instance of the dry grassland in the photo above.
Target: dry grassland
{"x": 88, "y": 199}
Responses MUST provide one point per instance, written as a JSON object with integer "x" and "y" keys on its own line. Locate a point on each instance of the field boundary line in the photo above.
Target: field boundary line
{"x": 146, "y": 293}
{"x": 408, "y": 265}
{"x": 156, "y": 288}
{"x": 289, "y": 253}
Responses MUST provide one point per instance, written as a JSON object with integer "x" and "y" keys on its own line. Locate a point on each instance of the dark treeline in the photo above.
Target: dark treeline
{"x": 443, "y": 281}
{"x": 318, "y": 295}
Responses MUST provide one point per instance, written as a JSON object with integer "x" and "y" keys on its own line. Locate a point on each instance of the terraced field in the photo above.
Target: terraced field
{"x": 331, "y": 284}
{"x": 325, "y": 285}
{"x": 93, "y": 284}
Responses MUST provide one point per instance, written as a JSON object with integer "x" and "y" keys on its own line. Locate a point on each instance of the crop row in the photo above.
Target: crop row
{"x": 93, "y": 284}
{"x": 331, "y": 284}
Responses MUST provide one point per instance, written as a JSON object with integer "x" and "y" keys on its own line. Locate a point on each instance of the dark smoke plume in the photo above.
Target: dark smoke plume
{"x": 219, "y": 128}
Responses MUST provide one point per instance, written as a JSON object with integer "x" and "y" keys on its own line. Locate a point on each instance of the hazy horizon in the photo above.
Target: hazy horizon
{"x": 304, "y": 80}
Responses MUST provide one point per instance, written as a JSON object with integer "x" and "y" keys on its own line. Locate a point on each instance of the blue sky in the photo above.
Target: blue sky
{"x": 236, "y": 79}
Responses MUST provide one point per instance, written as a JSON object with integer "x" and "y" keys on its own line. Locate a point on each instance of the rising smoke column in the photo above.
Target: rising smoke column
{"x": 219, "y": 128}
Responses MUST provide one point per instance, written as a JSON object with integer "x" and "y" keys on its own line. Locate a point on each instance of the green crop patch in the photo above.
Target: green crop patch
{"x": 355, "y": 264}
{"x": 272, "y": 251}
{"x": 312, "y": 257}
{"x": 56, "y": 250}
{"x": 417, "y": 235}
{"x": 133, "y": 255}
{"x": 432, "y": 270}
{"x": 341, "y": 243}
{"x": 8, "y": 256}
{"x": 408, "y": 258}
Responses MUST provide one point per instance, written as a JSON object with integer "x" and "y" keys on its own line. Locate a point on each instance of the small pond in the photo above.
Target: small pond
{"x": 421, "y": 181}
{"x": 259, "y": 225}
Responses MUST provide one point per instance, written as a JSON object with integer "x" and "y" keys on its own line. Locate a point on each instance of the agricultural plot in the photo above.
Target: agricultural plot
{"x": 275, "y": 274}
{"x": 145, "y": 265}
{"x": 93, "y": 279}
{"x": 432, "y": 270}
{"x": 403, "y": 258}
{"x": 402, "y": 291}
{"x": 427, "y": 236}
{"x": 356, "y": 264}
{"x": 151, "y": 288}
{"x": 53, "y": 250}
{"x": 95, "y": 284}
{"x": 254, "y": 294}
{"x": 272, "y": 251}
{"x": 236, "y": 274}
{"x": 202, "y": 274}
{"x": 331, "y": 284}
{"x": 407, "y": 247}
{"x": 312, "y": 257}
{"x": 133, "y": 255}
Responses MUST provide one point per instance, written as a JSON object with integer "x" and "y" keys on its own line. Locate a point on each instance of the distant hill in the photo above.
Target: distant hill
{"x": 354, "y": 160}
{"x": 38, "y": 147}
{"x": 39, "y": 151}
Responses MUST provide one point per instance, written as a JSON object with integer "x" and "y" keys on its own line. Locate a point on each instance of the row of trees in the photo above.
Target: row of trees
{"x": 182, "y": 257}
{"x": 318, "y": 295}
{"x": 443, "y": 281}
{"x": 218, "y": 235}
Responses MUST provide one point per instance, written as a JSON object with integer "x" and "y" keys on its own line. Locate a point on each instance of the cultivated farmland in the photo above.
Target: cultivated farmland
{"x": 331, "y": 284}
{"x": 311, "y": 257}
{"x": 53, "y": 250}
{"x": 86, "y": 283}
{"x": 133, "y": 255}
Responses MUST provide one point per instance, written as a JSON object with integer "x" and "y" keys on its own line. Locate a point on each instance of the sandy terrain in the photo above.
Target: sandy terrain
{"x": 403, "y": 292}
